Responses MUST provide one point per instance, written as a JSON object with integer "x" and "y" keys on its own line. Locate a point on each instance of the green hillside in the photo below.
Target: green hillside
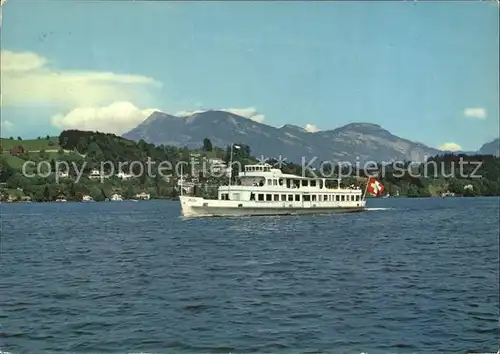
{"x": 46, "y": 143}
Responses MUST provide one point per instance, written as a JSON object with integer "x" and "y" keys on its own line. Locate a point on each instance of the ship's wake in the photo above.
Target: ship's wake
{"x": 378, "y": 209}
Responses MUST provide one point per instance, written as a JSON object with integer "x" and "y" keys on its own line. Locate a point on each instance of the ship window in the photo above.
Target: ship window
{"x": 320, "y": 183}
{"x": 342, "y": 198}
{"x": 325, "y": 197}
{"x": 283, "y": 197}
{"x": 306, "y": 198}
{"x": 290, "y": 197}
{"x": 357, "y": 198}
{"x": 313, "y": 183}
{"x": 275, "y": 182}
{"x": 337, "y": 198}
{"x": 252, "y": 196}
{"x": 276, "y": 197}
{"x": 297, "y": 197}
{"x": 296, "y": 183}
{"x": 261, "y": 197}
{"x": 280, "y": 182}
{"x": 269, "y": 197}
{"x": 314, "y": 198}
{"x": 304, "y": 183}
{"x": 269, "y": 182}
{"x": 240, "y": 205}
{"x": 287, "y": 183}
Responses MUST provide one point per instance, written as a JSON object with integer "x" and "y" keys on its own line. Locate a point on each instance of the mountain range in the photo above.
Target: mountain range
{"x": 353, "y": 142}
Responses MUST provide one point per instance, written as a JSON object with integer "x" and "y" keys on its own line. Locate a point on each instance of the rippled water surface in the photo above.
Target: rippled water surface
{"x": 411, "y": 275}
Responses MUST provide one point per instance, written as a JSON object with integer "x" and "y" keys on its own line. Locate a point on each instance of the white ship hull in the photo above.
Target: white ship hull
{"x": 198, "y": 207}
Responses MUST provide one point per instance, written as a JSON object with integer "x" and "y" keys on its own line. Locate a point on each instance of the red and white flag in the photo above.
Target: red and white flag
{"x": 374, "y": 187}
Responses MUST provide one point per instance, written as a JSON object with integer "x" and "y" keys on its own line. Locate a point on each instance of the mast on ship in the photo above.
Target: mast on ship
{"x": 182, "y": 178}
{"x": 231, "y": 164}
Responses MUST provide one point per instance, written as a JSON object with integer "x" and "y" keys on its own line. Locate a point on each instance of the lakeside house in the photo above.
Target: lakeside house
{"x": 187, "y": 187}
{"x": 62, "y": 174}
{"x": 143, "y": 196}
{"x": 116, "y": 197}
{"x": 124, "y": 176}
{"x": 94, "y": 174}
{"x": 87, "y": 198}
{"x": 218, "y": 166}
{"x": 61, "y": 199}
{"x": 16, "y": 151}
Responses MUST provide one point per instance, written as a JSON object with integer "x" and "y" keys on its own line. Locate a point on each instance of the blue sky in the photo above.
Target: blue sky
{"x": 426, "y": 71}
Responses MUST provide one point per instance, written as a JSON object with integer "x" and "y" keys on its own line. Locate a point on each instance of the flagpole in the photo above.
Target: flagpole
{"x": 366, "y": 188}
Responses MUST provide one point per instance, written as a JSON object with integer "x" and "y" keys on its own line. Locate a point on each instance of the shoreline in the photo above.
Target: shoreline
{"x": 177, "y": 199}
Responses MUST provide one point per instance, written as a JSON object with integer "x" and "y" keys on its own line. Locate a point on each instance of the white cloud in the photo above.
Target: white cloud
{"x": 2, "y": 3}
{"x": 250, "y": 113}
{"x": 27, "y": 78}
{"x": 311, "y": 128}
{"x": 117, "y": 118}
{"x": 477, "y": 113}
{"x": 6, "y": 125}
{"x": 450, "y": 147}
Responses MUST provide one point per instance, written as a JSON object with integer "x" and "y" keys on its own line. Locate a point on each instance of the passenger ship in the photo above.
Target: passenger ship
{"x": 264, "y": 190}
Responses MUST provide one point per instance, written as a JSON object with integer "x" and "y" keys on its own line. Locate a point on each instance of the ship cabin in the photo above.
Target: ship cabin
{"x": 263, "y": 183}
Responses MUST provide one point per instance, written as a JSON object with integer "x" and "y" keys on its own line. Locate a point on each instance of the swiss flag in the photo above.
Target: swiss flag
{"x": 374, "y": 187}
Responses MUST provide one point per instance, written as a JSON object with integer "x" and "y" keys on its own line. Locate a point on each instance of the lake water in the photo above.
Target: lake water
{"x": 408, "y": 276}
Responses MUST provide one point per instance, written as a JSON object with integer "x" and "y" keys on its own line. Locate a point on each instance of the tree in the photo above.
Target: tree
{"x": 82, "y": 145}
{"x": 47, "y": 195}
{"x": 95, "y": 153}
{"x": 207, "y": 144}
{"x": 19, "y": 138}
{"x": 6, "y": 171}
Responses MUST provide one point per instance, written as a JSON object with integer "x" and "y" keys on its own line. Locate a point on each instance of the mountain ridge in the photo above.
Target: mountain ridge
{"x": 352, "y": 142}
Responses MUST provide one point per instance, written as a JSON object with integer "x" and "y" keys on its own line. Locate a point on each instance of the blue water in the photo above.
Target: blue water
{"x": 416, "y": 276}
